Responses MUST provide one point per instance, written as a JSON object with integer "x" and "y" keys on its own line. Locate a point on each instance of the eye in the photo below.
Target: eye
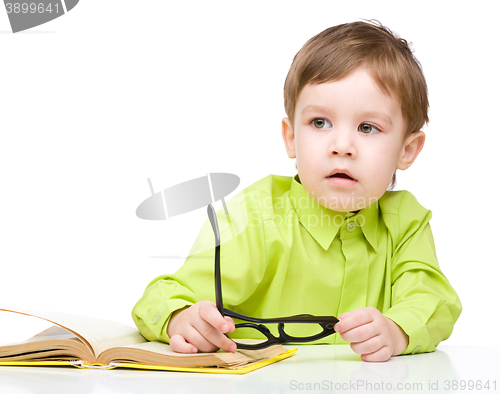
{"x": 319, "y": 123}
{"x": 367, "y": 128}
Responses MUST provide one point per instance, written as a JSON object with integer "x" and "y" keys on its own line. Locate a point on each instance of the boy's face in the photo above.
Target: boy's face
{"x": 353, "y": 131}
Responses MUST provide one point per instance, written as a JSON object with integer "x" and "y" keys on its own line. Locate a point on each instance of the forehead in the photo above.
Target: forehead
{"x": 357, "y": 92}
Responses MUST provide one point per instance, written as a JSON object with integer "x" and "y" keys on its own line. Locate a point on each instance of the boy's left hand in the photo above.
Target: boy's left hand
{"x": 371, "y": 334}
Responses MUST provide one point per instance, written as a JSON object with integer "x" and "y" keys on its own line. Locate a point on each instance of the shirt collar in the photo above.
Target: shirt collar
{"x": 323, "y": 224}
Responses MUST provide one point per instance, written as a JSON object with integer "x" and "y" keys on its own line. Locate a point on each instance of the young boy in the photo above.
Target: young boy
{"x": 331, "y": 240}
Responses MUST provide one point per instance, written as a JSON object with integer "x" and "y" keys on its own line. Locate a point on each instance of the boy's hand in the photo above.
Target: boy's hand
{"x": 371, "y": 334}
{"x": 200, "y": 327}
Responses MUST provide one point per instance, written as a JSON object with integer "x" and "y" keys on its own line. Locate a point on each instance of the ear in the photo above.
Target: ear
{"x": 411, "y": 148}
{"x": 288, "y": 137}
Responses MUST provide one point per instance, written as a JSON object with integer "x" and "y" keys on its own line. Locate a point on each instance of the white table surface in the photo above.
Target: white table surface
{"x": 313, "y": 369}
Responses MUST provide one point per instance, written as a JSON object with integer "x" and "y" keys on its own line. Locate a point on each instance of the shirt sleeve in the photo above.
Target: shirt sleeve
{"x": 242, "y": 269}
{"x": 423, "y": 303}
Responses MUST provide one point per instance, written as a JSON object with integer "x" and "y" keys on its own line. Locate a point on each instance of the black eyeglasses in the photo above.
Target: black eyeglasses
{"x": 326, "y": 322}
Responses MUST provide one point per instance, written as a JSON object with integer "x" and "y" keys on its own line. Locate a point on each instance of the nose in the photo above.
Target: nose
{"x": 342, "y": 143}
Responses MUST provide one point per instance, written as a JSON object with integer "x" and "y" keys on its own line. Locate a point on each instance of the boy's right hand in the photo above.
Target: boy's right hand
{"x": 200, "y": 327}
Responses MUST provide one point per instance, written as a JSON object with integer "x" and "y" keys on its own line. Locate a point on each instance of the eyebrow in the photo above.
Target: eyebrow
{"x": 368, "y": 114}
{"x": 378, "y": 115}
{"x": 314, "y": 108}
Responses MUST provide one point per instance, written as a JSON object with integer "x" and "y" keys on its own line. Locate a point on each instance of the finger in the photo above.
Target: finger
{"x": 354, "y": 319}
{"x": 369, "y": 346}
{"x": 180, "y": 345}
{"x": 361, "y": 333}
{"x": 212, "y": 316}
{"x": 231, "y": 324}
{"x": 340, "y": 328}
{"x": 211, "y": 333}
{"x": 197, "y": 339}
{"x": 346, "y": 314}
{"x": 380, "y": 355}
{"x": 214, "y": 336}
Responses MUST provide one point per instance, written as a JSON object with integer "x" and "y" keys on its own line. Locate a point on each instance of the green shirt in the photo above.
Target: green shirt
{"x": 283, "y": 254}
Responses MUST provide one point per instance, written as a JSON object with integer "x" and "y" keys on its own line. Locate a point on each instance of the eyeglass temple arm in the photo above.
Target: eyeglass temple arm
{"x": 218, "y": 288}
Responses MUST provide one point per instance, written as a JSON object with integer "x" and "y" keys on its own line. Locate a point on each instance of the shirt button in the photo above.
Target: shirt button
{"x": 351, "y": 226}
{"x": 417, "y": 348}
{"x": 156, "y": 318}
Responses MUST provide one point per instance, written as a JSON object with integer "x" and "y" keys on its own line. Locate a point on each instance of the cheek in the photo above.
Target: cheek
{"x": 383, "y": 164}
{"x": 306, "y": 151}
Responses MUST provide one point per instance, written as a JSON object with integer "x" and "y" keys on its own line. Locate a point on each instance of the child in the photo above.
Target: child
{"x": 331, "y": 240}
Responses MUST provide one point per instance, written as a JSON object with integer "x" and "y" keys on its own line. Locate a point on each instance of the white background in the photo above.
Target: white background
{"x": 116, "y": 91}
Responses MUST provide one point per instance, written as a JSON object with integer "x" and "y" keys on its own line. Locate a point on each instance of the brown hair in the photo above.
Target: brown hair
{"x": 337, "y": 51}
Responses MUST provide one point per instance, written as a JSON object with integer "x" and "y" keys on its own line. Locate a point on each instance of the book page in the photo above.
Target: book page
{"x": 52, "y": 333}
{"x": 52, "y": 343}
{"x": 160, "y": 354}
{"x": 97, "y": 334}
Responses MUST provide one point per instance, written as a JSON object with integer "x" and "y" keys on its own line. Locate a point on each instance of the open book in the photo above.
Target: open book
{"x": 88, "y": 342}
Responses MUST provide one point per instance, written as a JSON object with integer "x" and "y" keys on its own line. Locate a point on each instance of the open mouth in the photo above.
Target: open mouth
{"x": 341, "y": 175}
{"x": 342, "y": 178}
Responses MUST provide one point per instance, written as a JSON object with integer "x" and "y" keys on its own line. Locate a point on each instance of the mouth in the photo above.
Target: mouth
{"x": 341, "y": 175}
{"x": 341, "y": 178}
